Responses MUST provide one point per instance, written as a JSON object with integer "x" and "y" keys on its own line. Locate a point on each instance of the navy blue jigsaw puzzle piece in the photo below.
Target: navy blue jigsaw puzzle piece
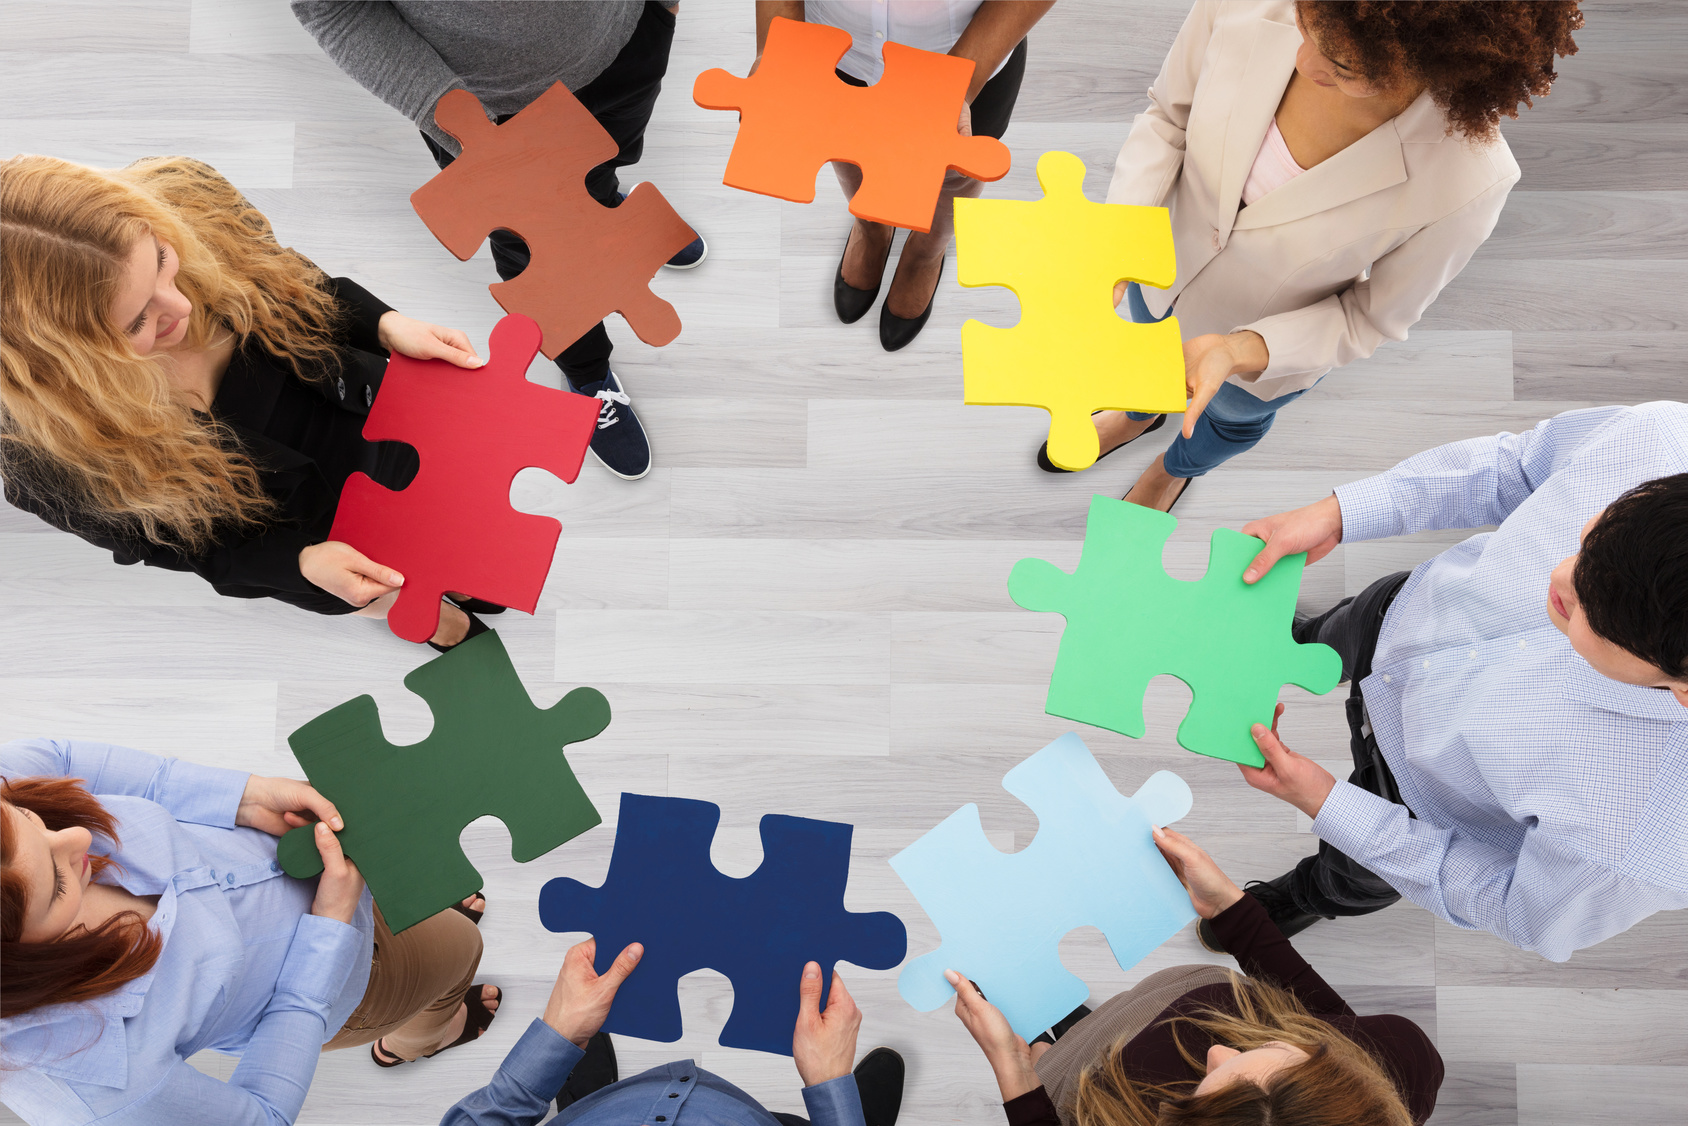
{"x": 663, "y": 891}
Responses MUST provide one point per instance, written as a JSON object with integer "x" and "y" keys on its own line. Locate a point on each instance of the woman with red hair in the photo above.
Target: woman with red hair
{"x": 143, "y": 918}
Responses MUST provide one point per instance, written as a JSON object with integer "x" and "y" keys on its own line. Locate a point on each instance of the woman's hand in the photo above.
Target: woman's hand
{"x": 341, "y": 885}
{"x": 1315, "y": 529}
{"x": 1009, "y": 1056}
{"x": 347, "y": 573}
{"x": 422, "y": 341}
{"x": 276, "y": 805}
{"x": 581, "y": 999}
{"x": 1212, "y": 359}
{"x": 1211, "y": 890}
{"x": 824, "y": 1043}
{"x": 1294, "y": 778}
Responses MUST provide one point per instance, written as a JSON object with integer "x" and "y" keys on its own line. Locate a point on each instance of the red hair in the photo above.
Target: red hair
{"x": 80, "y": 964}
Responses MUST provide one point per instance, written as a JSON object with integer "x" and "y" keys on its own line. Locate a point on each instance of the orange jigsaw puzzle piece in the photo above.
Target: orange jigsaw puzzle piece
{"x": 528, "y": 176}
{"x": 901, "y": 131}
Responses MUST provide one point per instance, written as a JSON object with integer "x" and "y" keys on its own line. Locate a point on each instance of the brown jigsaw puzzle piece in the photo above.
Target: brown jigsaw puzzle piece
{"x": 528, "y": 176}
{"x": 795, "y": 115}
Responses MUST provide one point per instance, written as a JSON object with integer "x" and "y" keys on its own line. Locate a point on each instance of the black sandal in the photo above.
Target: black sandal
{"x": 470, "y": 913}
{"x": 1048, "y": 466}
{"x": 475, "y": 605}
{"x": 476, "y": 628}
{"x": 478, "y": 1020}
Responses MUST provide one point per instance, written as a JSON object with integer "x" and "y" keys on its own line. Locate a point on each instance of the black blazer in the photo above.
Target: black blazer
{"x": 262, "y": 402}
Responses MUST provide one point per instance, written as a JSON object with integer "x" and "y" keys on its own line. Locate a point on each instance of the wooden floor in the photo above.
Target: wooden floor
{"x": 802, "y": 609}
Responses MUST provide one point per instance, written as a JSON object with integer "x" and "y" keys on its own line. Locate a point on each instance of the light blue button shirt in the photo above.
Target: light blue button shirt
{"x": 245, "y": 968}
{"x": 1551, "y": 802}
{"x": 675, "y": 1094}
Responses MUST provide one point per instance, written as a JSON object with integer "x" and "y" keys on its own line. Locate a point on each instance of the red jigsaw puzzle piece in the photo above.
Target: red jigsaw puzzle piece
{"x": 901, "y": 132}
{"x": 452, "y": 528}
{"x": 528, "y": 176}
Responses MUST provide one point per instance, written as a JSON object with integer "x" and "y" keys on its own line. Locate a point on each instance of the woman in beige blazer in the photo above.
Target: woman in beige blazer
{"x": 1329, "y": 168}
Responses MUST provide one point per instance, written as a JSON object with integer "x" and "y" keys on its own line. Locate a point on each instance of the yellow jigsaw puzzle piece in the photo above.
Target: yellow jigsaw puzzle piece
{"x": 1071, "y": 353}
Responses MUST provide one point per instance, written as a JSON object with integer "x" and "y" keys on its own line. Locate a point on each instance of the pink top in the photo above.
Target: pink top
{"x": 1273, "y": 166}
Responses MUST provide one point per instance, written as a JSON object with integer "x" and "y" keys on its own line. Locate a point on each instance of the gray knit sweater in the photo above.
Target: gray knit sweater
{"x": 410, "y": 52}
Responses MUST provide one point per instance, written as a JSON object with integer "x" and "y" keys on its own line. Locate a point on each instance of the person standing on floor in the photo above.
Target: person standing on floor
{"x": 1204, "y": 1046}
{"x": 1519, "y": 706}
{"x": 992, "y": 35}
{"x": 143, "y": 918}
{"x": 611, "y": 55}
{"x": 183, "y": 391}
{"x": 564, "y": 1052}
{"x": 1330, "y": 167}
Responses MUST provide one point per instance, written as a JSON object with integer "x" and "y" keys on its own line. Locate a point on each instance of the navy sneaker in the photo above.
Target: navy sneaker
{"x": 693, "y": 253}
{"x": 619, "y": 443}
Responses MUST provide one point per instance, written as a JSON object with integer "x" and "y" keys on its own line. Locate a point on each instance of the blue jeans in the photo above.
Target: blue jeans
{"x": 1233, "y": 423}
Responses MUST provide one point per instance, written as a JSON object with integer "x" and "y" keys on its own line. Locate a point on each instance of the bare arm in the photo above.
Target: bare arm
{"x": 766, "y": 10}
{"x": 995, "y": 30}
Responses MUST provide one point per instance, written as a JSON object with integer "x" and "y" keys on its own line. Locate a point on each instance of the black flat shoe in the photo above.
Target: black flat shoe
{"x": 595, "y": 1071}
{"x": 1180, "y": 496}
{"x": 896, "y": 332}
{"x": 851, "y": 303}
{"x": 879, "y": 1085}
{"x": 1063, "y": 1026}
{"x": 476, "y": 628}
{"x": 481, "y": 606}
{"x": 1048, "y": 466}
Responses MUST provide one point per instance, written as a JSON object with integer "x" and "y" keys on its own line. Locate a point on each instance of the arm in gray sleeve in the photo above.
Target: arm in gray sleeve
{"x": 373, "y": 44}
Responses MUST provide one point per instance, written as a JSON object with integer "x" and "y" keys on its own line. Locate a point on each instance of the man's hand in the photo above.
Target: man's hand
{"x": 276, "y": 805}
{"x": 1211, "y": 890}
{"x": 581, "y": 998}
{"x": 1296, "y": 779}
{"x": 1315, "y": 529}
{"x": 1009, "y": 1056}
{"x": 347, "y": 573}
{"x": 824, "y": 1044}
{"x": 423, "y": 341}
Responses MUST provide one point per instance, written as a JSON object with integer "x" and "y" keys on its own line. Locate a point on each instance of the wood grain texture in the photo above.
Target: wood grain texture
{"x": 803, "y": 608}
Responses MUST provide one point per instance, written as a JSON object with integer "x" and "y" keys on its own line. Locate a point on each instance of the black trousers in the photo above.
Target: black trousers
{"x": 621, "y": 98}
{"x": 994, "y": 106}
{"x": 1330, "y": 882}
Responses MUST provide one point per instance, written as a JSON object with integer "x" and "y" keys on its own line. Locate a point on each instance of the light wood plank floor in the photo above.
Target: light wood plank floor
{"x": 802, "y": 609}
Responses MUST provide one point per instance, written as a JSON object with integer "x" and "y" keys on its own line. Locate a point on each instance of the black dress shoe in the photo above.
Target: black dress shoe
{"x": 1063, "y": 1026}
{"x": 1048, "y": 466}
{"x": 1280, "y": 908}
{"x": 879, "y": 1082}
{"x": 851, "y": 303}
{"x": 595, "y": 1071}
{"x": 896, "y": 332}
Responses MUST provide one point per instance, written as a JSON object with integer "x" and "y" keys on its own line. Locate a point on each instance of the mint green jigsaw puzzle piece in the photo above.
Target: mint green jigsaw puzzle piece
{"x": 1128, "y": 621}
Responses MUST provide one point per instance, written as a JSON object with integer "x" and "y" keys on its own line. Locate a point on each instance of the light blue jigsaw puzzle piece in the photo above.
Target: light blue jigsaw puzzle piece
{"x": 1002, "y": 915}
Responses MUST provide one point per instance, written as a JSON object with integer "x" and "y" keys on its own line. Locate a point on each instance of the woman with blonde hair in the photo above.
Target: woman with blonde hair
{"x": 143, "y": 919}
{"x": 180, "y": 389}
{"x": 1205, "y": 1046}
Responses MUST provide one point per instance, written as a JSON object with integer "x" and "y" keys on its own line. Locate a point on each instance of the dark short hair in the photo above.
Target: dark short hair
{"x": 1632, "y": 574}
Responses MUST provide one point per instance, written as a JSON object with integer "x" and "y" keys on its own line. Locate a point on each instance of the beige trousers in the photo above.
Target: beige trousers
{"x": 416, "y": 982}
{"x": 1116, "y": 1021}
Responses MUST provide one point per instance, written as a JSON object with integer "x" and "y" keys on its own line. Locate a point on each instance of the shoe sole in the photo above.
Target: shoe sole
{"x": 616, "y": 472}
{"x": 690, "y": 265}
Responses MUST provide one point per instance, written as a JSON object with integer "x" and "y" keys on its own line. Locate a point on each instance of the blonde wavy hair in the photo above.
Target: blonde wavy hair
{"x": 1340, "y": 1084}
{"x": 83, "y": 416}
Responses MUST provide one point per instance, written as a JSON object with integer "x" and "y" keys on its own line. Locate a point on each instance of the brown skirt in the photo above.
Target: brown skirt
{"x": 1116, "y": 1021}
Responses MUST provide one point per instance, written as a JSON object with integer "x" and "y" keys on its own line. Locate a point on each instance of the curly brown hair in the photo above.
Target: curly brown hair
{"x": 1479, "y": 59}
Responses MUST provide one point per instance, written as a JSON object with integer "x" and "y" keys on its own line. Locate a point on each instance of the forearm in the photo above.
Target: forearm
{"x": 202, "y": 795}
{"x": 1248, "y": 934}
{"x": 995, "y": 30}
{"x": 373, "y": 44}
{"x": 766, "y": 10}
{"x": 521, "y": 1090}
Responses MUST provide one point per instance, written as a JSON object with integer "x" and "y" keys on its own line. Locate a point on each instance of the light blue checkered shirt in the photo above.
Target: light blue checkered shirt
{"x": 1551, "y": 802}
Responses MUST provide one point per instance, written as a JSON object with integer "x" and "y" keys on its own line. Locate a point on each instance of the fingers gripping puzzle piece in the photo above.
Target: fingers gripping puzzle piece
{"x": 528, "y": 176}
{"x": 1071, "y": 353}
{"x": 795, "y": 115}
{"x": 491, "y": 753}
{"x": 1128, "y": 621}
{"x": 1002, "y": 915}
{"x": 663, "y": 891}
{"x": 452, "y": 528}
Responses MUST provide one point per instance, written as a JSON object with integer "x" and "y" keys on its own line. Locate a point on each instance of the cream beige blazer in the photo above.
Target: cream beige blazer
{"x": 1346, "y": 255}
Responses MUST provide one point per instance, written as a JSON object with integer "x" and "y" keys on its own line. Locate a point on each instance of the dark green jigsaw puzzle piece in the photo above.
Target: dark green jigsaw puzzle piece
{"x": 1128, "y": 621}
{"x": 491, "y": 752}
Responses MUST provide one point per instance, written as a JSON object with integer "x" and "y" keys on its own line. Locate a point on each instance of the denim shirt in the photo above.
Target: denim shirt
{"x": 675, "y": 1094}
{"x": 244, "y": 968}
